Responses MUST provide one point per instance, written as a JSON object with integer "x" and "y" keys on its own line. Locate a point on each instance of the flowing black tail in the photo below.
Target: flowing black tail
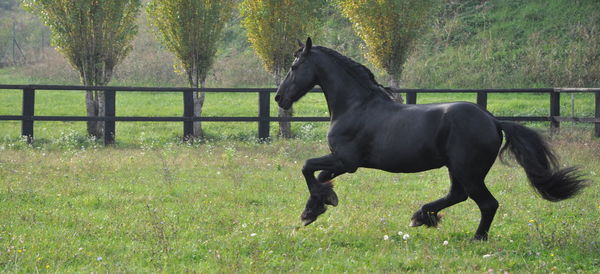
{"x": 540, "y": 164}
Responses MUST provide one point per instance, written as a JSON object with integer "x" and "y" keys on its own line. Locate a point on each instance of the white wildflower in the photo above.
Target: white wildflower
{"x": 445, "y": 243}
{"x": 487, "y": 256}
{"x": 386, "y": 237}
{"x": 253, "y": 234}
{"x": 406, "y": 236}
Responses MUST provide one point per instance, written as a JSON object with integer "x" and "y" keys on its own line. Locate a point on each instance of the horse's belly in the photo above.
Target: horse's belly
{"x": 399, "y": 163}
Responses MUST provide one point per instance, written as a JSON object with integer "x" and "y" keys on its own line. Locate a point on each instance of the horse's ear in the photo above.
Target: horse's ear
{"x": 307, "y": 46}
{"x": 300, "y": 44}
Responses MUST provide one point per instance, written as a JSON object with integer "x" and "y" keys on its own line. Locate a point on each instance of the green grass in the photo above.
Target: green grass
{"x": 234, "y": 206}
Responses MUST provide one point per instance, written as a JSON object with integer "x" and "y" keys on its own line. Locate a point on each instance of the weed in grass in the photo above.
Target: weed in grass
{"x": 161, "y": 233}
{"x": 167, "y": 164}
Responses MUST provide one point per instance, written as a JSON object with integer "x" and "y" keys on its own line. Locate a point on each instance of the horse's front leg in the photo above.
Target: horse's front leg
{"x": 321, "y": 190}
{"x": 325, "y": 178}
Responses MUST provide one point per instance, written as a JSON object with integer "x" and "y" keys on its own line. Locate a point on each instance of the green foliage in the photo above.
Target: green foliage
{"x": 93, "y": 35}
{"x": 389, "y": 28}
{"x": 537, "y": 43}
{"x": 273, "y": 26}
{"x": 191, "y": 29}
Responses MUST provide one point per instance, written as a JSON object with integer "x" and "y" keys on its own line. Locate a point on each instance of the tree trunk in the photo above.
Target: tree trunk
{"x": 92, "y": 110}
{"x": 100, "y": 99}
{"x": 196, "y": 80}
{"x": 198, "y": 103}
{"x": 394, "y": 84}
{"x": 94, "y": 99}
{"x": 285, "y": 127}
{"x": 94, "y": 102}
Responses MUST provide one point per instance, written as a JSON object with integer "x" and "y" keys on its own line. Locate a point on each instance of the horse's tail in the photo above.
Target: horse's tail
{"x": 540, "y": 163}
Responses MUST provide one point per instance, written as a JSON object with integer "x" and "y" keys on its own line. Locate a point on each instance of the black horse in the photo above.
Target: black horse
{"x": 368, "y": 129}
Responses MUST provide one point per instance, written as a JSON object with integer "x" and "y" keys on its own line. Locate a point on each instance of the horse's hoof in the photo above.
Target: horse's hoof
{"x": 429, "y": 219}
{"x": 307, "y": 222}
{"x": 415, "y": 223}
{"x": 331, "y": 199}
{"x": 310, "y": 215}
{"x": 480, "y": 238}
{"x": 329, "y": 196}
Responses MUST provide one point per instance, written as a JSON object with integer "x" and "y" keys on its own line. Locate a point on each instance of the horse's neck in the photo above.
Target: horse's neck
{"x": 342, "y": 91}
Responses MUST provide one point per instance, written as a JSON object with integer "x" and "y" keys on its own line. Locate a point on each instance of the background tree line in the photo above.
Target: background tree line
{"x": 468, "y": 44}
{"x": 537, "y": 43}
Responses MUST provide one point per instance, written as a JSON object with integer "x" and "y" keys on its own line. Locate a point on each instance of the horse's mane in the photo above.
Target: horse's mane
{"x": 359, "y": 71}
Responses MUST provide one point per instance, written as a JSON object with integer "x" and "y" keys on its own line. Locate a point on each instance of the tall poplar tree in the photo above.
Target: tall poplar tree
{"x": 94, "y": 36}
{"x": 273, "y": 27}
{"x": 389, "y": 29}
{"x": 191, "y": 29}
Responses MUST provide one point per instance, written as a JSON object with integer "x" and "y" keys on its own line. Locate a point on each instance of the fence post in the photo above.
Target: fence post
{"x": 482, "y": 99}
{"x": 109, "y": 112}
{"x": 28, "y": 111}
{"x": 411, "y": 98}
{"x": 264, "y": 114}
{"x": 188, "y": 111}
{"x": 554, "y": 110}
{"x": 597, "y": 115}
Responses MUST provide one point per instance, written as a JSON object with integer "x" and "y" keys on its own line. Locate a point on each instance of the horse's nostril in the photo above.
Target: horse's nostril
{"x": 277, "y": 97}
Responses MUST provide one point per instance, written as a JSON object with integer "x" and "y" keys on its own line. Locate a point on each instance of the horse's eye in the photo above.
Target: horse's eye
{"x": 294, "y": 67}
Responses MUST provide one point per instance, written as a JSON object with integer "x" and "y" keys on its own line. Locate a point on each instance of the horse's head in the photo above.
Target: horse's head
{"x": 300, "y": 78}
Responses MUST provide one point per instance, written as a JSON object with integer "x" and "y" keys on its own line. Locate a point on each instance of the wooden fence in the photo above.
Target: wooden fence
{"x": 264, "y": 118}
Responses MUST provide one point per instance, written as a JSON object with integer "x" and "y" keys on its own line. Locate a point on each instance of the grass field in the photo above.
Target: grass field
{"x": 231, "y": 206}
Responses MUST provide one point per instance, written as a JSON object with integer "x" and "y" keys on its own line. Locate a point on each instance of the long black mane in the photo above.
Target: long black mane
{"x": 360, "y": 72}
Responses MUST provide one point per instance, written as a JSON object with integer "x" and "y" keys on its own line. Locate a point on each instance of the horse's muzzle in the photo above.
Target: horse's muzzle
{"x": 284, "y": 103}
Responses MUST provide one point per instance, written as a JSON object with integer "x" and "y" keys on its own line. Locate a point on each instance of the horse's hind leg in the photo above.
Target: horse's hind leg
{"x": 471, "y": 177}
{"x": 487, "y": 205}
{"x": 468, "y": 170}
{"x": 462, "y": 186}
{"x": 428, "y": 214}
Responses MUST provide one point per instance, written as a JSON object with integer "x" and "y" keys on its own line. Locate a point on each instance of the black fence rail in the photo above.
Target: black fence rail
{"x": 264, "y": 118}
